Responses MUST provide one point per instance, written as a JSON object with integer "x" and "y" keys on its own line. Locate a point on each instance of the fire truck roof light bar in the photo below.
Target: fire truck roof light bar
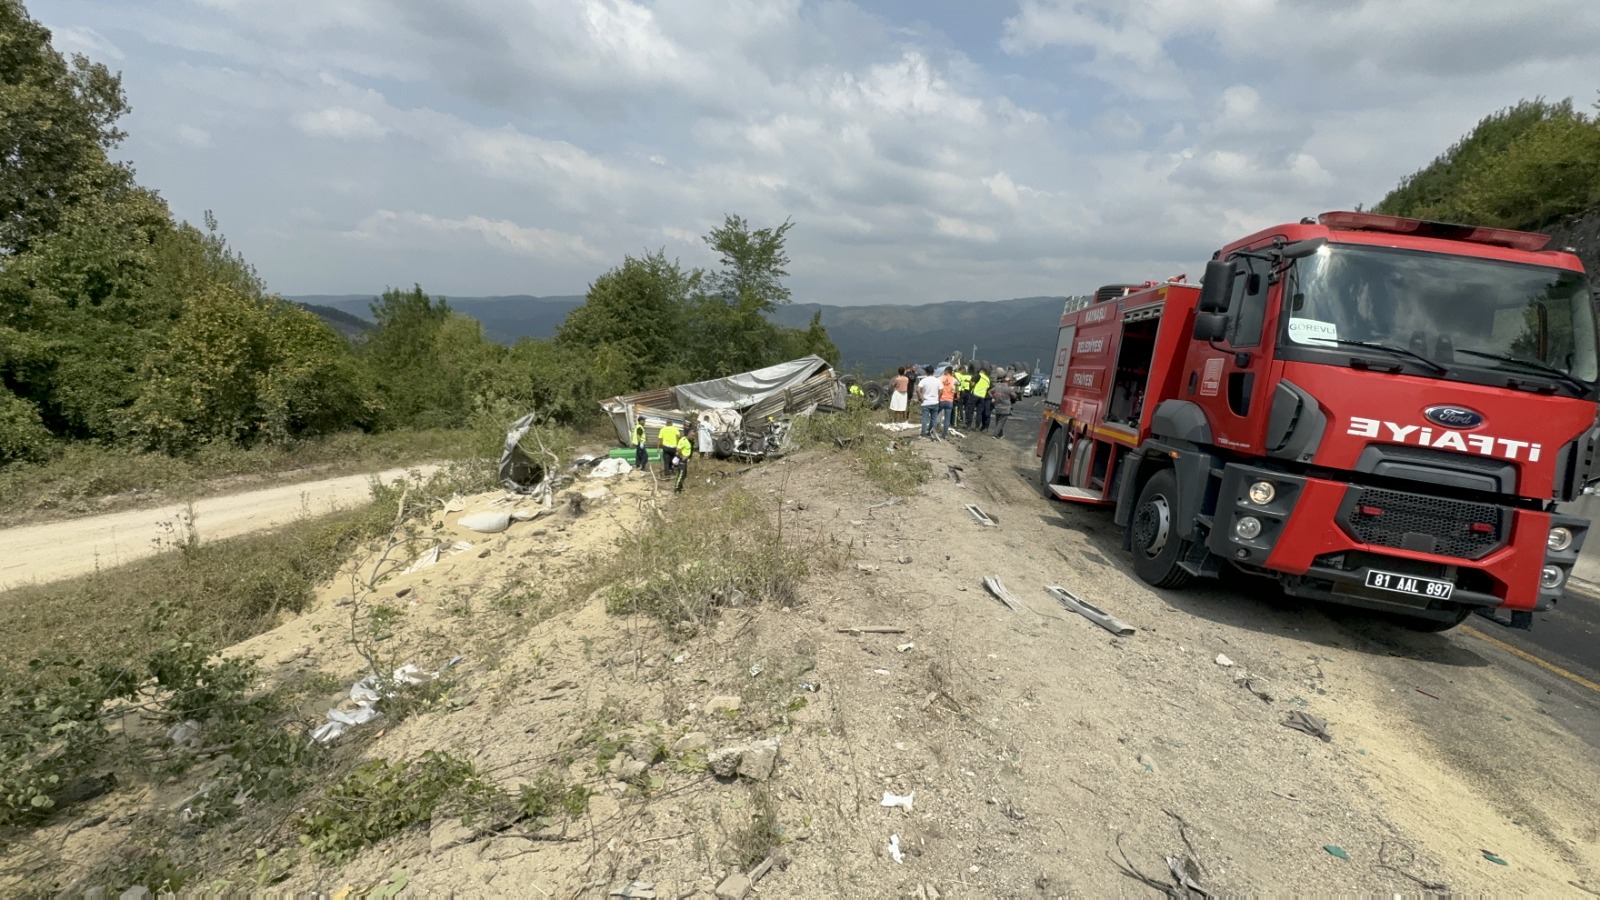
{"x": 1477, "y": 234}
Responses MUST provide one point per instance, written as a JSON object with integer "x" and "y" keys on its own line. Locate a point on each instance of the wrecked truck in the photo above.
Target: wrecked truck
{"x": 742, "y": 416}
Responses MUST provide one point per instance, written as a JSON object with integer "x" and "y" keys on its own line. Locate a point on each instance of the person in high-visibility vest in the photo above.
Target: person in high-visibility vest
{"x": 685, "y": 450}
{"x": 980, "y": 392}
{"x": 667, "y": 440}
{"x": 641, "y": 453}
{"x": 857, "y": 392}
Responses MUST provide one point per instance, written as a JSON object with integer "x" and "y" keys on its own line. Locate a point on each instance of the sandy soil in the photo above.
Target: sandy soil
{"x": 1045, "y": 754}
{"x": 57, "y": 550}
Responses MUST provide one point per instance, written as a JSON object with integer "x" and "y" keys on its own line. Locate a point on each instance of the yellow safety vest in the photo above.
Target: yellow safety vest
{"x": 638, "y": 434}
{"x": 685, "y": 448}
{"x": 668, "y": 436}
{"x": 963, "y": 381}
{"x": 856, "y": 389}
{"x": 981, "y": 389}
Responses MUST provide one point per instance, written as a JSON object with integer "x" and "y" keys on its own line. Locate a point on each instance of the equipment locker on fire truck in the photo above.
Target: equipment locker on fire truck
{"x": 1371, "y": 410}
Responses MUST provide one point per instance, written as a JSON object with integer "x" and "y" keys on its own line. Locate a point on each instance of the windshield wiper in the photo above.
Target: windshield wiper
{"x": 1577, "y": 384}
{"x": 1392, "y": 349}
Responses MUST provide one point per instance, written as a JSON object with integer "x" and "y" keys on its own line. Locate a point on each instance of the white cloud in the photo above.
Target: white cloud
{"x": 198, "y": 138}
{"x": 82, "y": 39}
{"x": 341, "y": 123}
{"x": 408, "y": 229}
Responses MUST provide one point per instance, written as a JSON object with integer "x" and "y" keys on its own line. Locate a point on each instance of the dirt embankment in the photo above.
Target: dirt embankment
{"x": 1045, "y": 756}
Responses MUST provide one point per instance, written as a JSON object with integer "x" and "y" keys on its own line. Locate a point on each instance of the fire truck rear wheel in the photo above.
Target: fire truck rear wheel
{"x": 1050, "y": 464}
{"x": 1153, "y": 530}
{"x": 1079, "y": 477}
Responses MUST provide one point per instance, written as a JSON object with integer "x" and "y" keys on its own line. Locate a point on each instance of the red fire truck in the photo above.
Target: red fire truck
{"x": 1372, "y": 410}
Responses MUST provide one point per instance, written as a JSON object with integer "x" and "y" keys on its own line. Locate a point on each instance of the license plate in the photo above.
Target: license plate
{"x": 1411, "y": 585}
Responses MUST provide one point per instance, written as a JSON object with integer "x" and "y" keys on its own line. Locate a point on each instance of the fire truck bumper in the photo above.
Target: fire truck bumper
{"x": 1391, "y": 549}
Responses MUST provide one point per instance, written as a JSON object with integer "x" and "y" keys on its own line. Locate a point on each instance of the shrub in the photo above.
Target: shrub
{"x": 381, "y": 799}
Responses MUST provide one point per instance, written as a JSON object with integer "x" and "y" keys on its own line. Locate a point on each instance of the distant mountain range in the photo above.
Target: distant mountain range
{"x": 871, "y": 339}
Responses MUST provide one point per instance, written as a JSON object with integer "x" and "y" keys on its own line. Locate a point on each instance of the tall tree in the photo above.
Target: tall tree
{"x": 753, "y": 263}
{"x": 57, "y": 122}
{"x": 636, "y": 311}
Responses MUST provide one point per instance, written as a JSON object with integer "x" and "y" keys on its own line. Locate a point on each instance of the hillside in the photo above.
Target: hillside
{"x": 504, "y": 319}
{"x": 873, "y": 339}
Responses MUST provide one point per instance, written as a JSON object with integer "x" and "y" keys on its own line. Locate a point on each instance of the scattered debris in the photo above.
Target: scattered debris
{"x": 983, "y": 518}
{"x": 867, "y": 568}
{"x": 431, "y": 556}
{"x": 810, "y": 687}
{"x": 894, "y": 849}
{"x": 872, "y": 629}
{"x": 908, "y": 645}
{"x": 486, "y": 522}
{"x": 1303, "y": 721}
{"x": 889, "y": 502}
{"x": 1148, "y": 762}
{"x": 955, "y": 475}
{"x": 1089, "y": 611}
{"x": 734, "y": 887}
{"x": 903, "y": 560}
{"x": 1426, "y": 694}
{"x": 1336, "y": 850}
{"x": 611, "y": 468}
{"x": 1254, "y": 685}
{"x": 1494, "y": 858}
{"x": 893, "y": 800}
{"x": 1224, "y": 661}
{"x": 635, "y": 890}
{"x": 997, "y": 588}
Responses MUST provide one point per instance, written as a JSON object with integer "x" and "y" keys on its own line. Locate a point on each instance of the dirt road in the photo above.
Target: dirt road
{"x": 57, "y": 550}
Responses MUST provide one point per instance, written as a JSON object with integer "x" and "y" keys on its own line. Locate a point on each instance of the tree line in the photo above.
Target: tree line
{"x": 1527, "y": 167}
{"x": 123, "y": 326}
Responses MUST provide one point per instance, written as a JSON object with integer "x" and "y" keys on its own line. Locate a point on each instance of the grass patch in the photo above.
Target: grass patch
{"x": 715, "y": 552}
{"x": 755, "y": 840}
{"x": 886, "y": 459}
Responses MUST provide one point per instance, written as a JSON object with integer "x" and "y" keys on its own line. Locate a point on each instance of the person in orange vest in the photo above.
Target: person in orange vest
{"x": 947, "y": 401}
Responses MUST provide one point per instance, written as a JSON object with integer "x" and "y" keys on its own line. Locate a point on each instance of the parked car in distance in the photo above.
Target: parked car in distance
{"x": 1036, "y": 386}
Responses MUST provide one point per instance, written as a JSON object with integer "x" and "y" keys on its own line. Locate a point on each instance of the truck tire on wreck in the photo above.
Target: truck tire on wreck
{"x": 1154, "y": 534}
{"x": 1050, "y": 462}
{"x": 877, "y": 394}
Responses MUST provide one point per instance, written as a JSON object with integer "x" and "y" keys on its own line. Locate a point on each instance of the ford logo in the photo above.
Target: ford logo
{"x": 1453, "y": 416}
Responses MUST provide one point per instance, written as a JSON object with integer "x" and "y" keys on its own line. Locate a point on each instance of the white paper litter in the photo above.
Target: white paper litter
{"x": 426, "y": 559}
{"x": 611, "y": 468}
{"x": 898, "y": 426}
{"x": 893, "y": 800}
{"x": 184, "y": 732}
{"x": 904, "y": 647}
{"x": 1223, "y": 661}
{"x": 366, "y": 694}
{"x": 894, "y": 849}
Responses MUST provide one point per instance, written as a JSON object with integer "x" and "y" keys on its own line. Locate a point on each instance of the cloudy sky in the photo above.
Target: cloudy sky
{"x": 927, "y": 150}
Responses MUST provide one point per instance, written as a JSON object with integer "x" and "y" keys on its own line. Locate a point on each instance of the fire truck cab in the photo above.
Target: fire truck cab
{"x": 1371, "y": 410}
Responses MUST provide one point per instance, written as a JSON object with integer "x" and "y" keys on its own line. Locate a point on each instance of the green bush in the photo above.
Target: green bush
{"x": 23, "y": 438}
{"x": 381, "y": 799}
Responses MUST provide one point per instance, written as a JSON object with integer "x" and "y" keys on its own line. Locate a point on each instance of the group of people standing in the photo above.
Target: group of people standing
{"x": 971, "y": 396}
{"x": 675, "y": 447}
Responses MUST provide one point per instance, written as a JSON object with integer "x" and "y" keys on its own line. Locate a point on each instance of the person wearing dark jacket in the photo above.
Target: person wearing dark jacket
{"x": 1002, "y": 395}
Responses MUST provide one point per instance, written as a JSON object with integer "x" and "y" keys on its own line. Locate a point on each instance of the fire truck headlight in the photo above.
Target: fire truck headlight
{"x": 1262, "y": 492}
{"x": 1247, "y": 527}
{"x": 1560, "y": 539}
{"x": 1551, "y": 577}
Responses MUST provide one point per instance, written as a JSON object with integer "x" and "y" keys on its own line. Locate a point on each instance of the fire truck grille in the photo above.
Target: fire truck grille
{"x": 1424, "y": 524}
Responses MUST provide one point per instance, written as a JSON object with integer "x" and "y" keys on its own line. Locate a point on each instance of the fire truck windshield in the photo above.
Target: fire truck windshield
{"x": 1465, "y": 314}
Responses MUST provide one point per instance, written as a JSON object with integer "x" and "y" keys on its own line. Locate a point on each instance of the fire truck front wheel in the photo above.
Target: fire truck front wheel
{"x": 1050, "y": 464}
{"x": 1153, "y": 529}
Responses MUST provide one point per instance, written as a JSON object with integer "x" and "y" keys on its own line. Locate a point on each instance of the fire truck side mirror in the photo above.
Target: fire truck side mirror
{"x": 1210, "y": 327}
{"x": 1217, "y": 289}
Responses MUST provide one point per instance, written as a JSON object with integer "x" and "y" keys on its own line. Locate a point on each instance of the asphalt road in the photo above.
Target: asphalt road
{"x": 1561, "y": 652}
